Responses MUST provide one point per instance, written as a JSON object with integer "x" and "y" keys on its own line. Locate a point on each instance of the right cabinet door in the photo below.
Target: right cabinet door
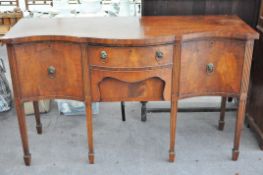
{"x": 211, "y": 67}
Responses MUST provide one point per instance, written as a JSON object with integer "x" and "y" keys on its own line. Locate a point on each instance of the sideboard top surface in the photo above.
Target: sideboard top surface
{"x": 129, "y": 30}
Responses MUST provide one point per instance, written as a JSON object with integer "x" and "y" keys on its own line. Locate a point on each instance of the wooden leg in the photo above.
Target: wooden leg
{"x": 143, "y": 111}
{"x": 123, "y": 111}
{"x": 37, "y": 117}
{"x": 242, "y": 98}
{"x": 221, "y": 122}
{"x": 173, "y": 129}
{"x": 238, "y": 129}
{"x": 90, "y": 131}
{"x": 23, "y": 131}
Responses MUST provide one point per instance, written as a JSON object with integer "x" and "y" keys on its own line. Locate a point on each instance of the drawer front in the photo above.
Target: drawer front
{"x": 149, "y": 85}
{"x": 50, "y": 69}
{"x": 211, "y": 67}
{"x": 130, "y": 57}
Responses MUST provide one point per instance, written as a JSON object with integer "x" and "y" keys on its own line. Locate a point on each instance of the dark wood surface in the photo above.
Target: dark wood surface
{"x": 245, "y": 9}
{"x": 255, "y": 105}
{"x": 158, "y": 58}
{"x": 260, "y": 19}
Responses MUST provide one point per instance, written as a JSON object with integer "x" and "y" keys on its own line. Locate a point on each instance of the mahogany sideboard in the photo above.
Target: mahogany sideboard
{"x": 129, "y": 59}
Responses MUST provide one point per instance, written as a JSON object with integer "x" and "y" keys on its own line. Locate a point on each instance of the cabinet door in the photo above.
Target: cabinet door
{"x": 211, "y": 67}
{"x": 49, "y": 70}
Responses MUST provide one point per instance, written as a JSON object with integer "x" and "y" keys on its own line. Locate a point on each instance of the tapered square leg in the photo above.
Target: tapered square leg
{"x": 91, "y": 158}
{"x": 238, "y": 128}
{"x": 37, "y": 117}
{"x": 242, "y": 98}
{"x": 221, "y": 125}
{"x": 90, "y": 131}
{"x": 221, "y": 122}
{"x": 235, "y": 154}
{"x": 171, "y": 156}
{"x": 123, "y": 115}
{"x": 23, "y": 131}
{"x": 39, "y": 129}
{"x": 27, "y": 159}
{"x": 87, "y": 92}
{"x": 143, "y": 111}
{"x": 174, "y": 99}
{"x": 173, "y": 129}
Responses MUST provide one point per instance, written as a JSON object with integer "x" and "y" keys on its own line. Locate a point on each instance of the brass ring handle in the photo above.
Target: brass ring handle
{"x": 103, "y": 55}
{"x": 159, "y": 55}
{"x": 51, "y": 70}
{"x": 210, "y": 68}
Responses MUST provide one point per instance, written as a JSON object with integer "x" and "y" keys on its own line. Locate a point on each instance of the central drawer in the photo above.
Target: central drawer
{"x": 146, "y": 85}
{"x": 130, "y": 73}
{"x": 130, "y": 57}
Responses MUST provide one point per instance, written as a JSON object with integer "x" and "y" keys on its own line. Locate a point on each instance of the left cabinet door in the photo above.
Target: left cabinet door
{"x": 49, "y": 70}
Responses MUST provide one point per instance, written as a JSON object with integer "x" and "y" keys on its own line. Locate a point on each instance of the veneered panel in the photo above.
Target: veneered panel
{"x": 226, "y": 56}
{"x": 131, "y": 57}
{"x": 33, "y": 61}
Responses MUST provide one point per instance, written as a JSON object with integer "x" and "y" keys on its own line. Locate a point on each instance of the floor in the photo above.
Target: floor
{"x": 131, "y": 147}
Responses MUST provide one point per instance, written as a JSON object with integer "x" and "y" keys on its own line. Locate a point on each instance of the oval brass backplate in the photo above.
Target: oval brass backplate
{"x": 103, "y": 55}
{"x": 158, "y": 55}
{"x": 51, "y": 70}
{"x": 210, "y": 68}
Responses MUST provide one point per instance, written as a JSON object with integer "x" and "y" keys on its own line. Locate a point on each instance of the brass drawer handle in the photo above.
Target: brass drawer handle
{"x": 51, "y": 70}
{"x": 103, "y": 55}
{"x": 210, "y": 68}
{"x": 159, "y": 55}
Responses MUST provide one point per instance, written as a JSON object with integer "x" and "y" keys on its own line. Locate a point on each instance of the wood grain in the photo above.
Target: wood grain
{"x": 131, "y": 81}
{"x": 242, "y": 98}
{"x": 33, "y": 61}
{"x": 225, "y": 55}
{"x": 131, "y": 57}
